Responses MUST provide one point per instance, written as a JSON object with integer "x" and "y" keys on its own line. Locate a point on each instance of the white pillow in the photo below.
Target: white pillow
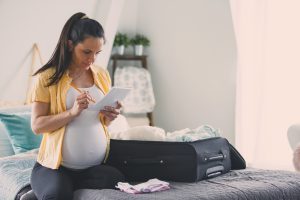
{"x": 144, "y": 133}
{"x": 11, "y": 103}
{"x": 293, "y": 135}
{"x": 16, "y": 109}
{"x": 296, "y": 158}
{"x": 120, "y": 124}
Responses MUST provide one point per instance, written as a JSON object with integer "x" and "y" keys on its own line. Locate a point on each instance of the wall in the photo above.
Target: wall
{"x": 128, "y": 21}
{"x": 191, "y": 59}
{"x": 24, "y": 23}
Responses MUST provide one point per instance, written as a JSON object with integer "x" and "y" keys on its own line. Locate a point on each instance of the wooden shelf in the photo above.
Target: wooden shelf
{"x": 127, "y": 57}
{"x": 115, "y": 58}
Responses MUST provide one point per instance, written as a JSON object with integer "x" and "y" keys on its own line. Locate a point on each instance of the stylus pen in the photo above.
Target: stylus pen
{"x": 90, "y": 97}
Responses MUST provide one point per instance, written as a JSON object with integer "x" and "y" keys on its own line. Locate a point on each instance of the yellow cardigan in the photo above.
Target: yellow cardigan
{"x": 50, "y": 149}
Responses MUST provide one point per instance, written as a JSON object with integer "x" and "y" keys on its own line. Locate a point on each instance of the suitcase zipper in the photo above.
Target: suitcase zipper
{"x": 143, "y": 161}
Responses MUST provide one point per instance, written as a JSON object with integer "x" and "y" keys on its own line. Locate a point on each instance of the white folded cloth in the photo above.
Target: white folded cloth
{"x": 190, "y": 135}
{"x": 152, "y": 185}
{"x": 152, "y": 133}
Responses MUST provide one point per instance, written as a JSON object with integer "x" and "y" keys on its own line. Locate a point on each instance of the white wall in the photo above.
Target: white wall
{"x": 24, "y": 23}
{"x": 128, "y": 21}
{"x": 191, "y": 59}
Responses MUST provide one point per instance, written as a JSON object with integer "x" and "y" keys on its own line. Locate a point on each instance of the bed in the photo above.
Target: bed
{"x": 247, "y": 184}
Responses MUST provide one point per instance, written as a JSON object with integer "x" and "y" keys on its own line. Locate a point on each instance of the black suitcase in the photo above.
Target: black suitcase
{"x": 171, "y": 161}
{"x": 237, "y": 160}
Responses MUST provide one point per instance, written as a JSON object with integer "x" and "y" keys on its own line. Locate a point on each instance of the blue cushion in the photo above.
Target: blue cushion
{"x": 19, "y": 131}
{"x": 6, "y": 148}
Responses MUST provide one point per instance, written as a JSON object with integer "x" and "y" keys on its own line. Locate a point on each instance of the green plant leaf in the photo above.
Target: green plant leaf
{"x": 121, "y": 39}
{"x": 140, "y": 39}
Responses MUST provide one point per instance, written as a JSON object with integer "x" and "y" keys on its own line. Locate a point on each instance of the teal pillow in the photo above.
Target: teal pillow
{"x": 6, "y": 148}
{"x": 19, "y": 131}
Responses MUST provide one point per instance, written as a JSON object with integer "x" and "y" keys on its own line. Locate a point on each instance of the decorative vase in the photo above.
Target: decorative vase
{"x": 138, "y": 50}
{"x": 120, "y": 49}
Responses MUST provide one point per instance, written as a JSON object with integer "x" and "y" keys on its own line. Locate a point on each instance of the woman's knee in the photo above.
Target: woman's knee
{"x": 51, "y": 184}
{"x": 58, "y": 194}
{"x": 104, "y": 176}
{"x": 106, "y": 170}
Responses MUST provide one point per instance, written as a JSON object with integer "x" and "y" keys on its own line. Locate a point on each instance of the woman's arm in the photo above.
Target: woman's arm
{"x": 42, "y": 122}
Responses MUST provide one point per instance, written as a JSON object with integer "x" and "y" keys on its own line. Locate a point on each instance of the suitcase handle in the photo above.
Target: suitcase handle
{"x": 214, "y": 171}
{"x": 215, "y": 157}
{"x": 143, "y": 161}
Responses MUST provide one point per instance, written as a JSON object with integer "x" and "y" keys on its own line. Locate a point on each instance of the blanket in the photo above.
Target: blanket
{"x": 245, "y": 184}
{"x": 15, "y": 173}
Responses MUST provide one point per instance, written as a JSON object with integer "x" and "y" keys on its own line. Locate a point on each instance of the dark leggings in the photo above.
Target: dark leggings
{"x": 59, "y": 184}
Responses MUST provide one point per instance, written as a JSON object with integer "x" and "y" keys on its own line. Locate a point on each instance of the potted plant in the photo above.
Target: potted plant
{"x": 139, "y": 41}
{"x": 120, "y": 42}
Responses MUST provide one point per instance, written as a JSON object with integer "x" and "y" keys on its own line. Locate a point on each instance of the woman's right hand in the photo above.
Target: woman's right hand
{"x": 81, "y": 103}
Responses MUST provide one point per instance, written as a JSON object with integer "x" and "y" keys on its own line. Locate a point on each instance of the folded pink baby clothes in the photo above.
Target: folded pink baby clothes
{"x": 152, "y": 185}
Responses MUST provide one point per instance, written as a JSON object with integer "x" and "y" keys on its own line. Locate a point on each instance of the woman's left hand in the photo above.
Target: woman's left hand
{"x": 111, "y": 113}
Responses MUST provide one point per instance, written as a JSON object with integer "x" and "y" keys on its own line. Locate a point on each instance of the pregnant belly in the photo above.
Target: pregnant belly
{"x": 84, "y": 145}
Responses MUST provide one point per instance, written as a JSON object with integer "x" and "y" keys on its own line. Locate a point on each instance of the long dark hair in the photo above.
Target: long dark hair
{"x": 76, "y": 29}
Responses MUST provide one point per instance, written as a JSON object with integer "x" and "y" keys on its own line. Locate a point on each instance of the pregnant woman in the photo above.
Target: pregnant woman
{"x": 75, "y": 140}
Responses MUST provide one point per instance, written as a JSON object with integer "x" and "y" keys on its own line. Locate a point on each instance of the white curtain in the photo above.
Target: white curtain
{"x": 268, "y": 79}
{"x": 108, "y": 12}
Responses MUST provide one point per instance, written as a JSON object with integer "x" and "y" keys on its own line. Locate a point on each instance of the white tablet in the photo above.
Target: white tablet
{"x": 110, "y": 99}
